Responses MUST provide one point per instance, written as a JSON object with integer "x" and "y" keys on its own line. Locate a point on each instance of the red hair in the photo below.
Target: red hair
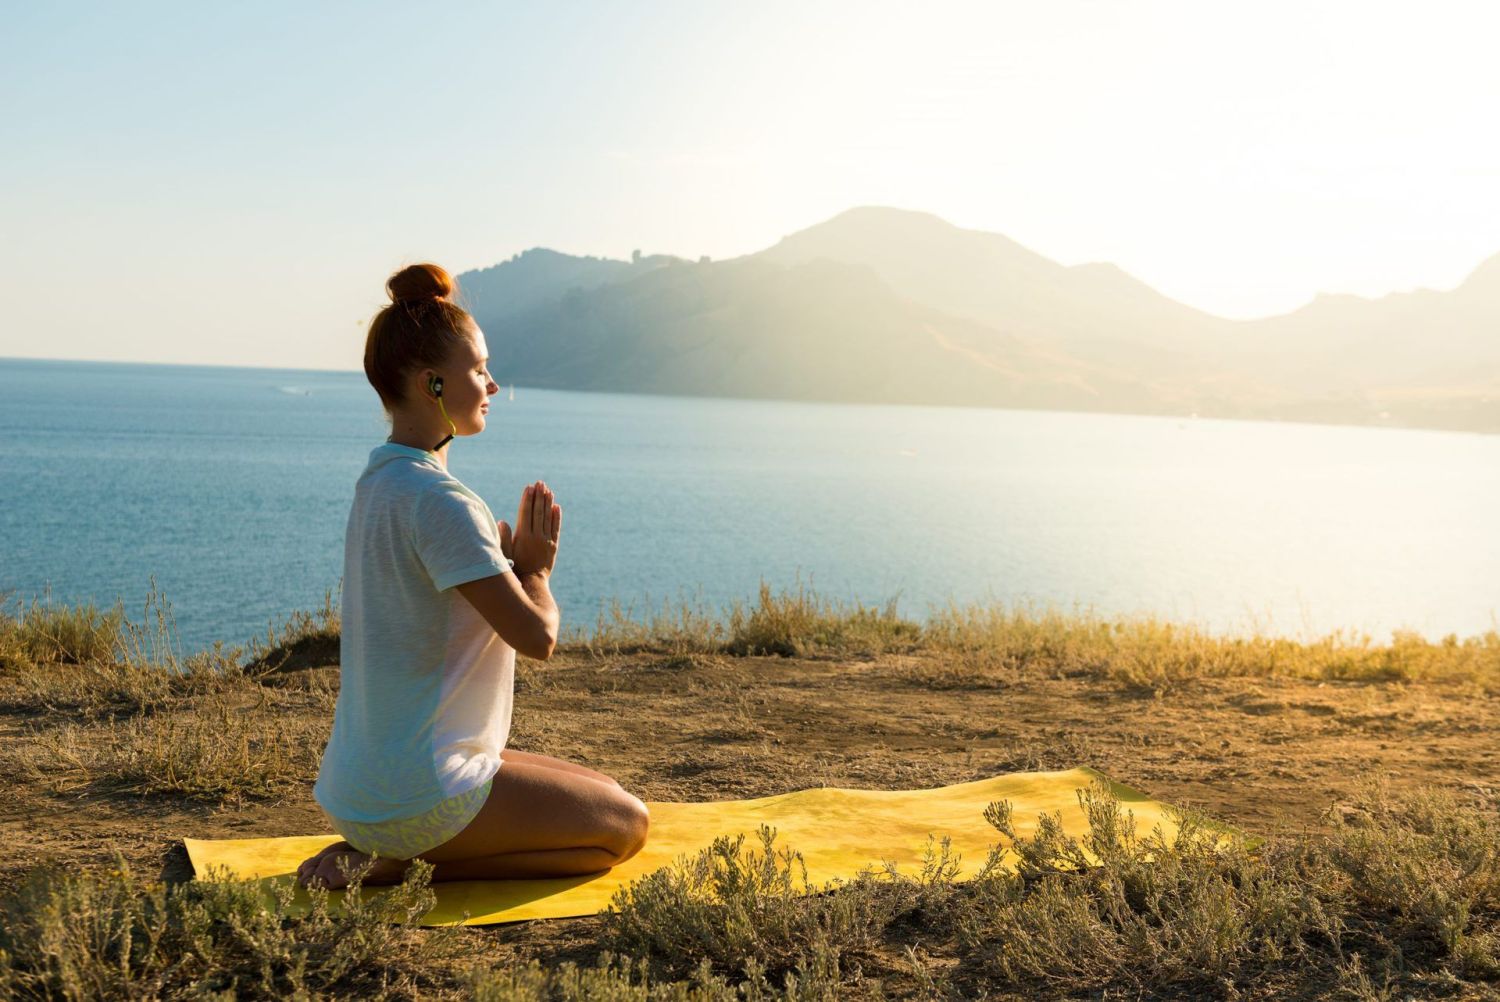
{"x": 421, "y": 327}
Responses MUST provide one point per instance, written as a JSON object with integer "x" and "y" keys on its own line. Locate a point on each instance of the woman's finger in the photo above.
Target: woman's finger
{"x": 539, "y": 502}
{"x": 556, "y": 521}
{"x": 523, "y": 511}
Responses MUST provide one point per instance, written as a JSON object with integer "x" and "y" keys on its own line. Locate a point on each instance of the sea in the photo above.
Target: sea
{"x": 227, "y": 490}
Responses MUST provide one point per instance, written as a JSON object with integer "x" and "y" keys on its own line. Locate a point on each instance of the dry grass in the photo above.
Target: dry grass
{"x": 41, "y": 633}
{"x": 965, "y": 646}
{"x": 307, "y": 639}
{"x": 1397, "y": 896}
{"x": 1158, "y": 655}
{"x": 794, "y": 623}
{"x": 974, "y": 645}
{"x": 618, "y": 979}
{"x": 218, "y": 749}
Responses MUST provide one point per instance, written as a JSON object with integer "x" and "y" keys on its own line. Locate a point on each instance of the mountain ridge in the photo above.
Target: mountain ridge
{"x": 877, "y": 304}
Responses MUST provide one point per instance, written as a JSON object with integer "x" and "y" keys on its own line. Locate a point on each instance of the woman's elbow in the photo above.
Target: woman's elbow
{"x": 543, "y": 646}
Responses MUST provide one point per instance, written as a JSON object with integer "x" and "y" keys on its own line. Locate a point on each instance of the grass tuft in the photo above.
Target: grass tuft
{"x": 306, "y": 639}
{"x": 680, "y": 629}
{"x": 801, "y": 624}
{"x": 40, "y": 633}
{"x": 787, "y": 624}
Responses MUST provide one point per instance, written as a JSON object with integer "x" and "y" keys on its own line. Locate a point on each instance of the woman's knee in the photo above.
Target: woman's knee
{"x": 632, "y": 823}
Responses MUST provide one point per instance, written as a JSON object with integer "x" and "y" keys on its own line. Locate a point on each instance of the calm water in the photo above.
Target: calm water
{"x": 232, "y": 487}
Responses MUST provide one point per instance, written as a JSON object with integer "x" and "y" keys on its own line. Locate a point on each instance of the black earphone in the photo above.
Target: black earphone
{"x": 435, "y": 384}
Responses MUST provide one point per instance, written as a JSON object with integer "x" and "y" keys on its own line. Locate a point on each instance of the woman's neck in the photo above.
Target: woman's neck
{"x": 417, "y": 440}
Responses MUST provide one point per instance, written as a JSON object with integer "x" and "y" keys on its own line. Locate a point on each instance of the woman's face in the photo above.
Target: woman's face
{"x": 467, "y": 386}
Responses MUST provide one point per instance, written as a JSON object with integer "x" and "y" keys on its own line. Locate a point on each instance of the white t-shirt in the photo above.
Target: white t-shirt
{"x": 425, "y": 683}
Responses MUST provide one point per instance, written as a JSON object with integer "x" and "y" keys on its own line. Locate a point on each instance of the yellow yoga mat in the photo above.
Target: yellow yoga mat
{"x": 837, "y": 831}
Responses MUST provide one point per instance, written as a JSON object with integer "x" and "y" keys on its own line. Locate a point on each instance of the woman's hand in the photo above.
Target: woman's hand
{"x": 538, "y": 526}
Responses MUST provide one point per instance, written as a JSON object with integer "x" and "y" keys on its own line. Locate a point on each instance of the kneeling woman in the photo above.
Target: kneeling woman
{"x": 437, "y": 599}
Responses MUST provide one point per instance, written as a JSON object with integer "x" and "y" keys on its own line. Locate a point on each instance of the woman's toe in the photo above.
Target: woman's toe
{"x": 324, "y": 875}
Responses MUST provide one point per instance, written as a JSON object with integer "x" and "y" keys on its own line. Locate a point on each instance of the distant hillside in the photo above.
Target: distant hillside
{"x": 885, "y": 305}
{"x": 539, "y": 276}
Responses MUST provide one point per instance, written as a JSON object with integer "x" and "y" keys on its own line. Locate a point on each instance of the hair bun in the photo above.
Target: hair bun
{"x": 417, "y": 282}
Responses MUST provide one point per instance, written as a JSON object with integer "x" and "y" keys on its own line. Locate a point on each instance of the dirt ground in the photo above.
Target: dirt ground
{"x": 1268, "y": 755}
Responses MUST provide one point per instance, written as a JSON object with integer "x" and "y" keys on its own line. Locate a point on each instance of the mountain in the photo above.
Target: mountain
{"x": 992, "y": 279}
{"x": 823, "y": 330}
{"x": 539, "y": 276}
{"x": 1408, "y": 338}
{"x": 888, "y": 305}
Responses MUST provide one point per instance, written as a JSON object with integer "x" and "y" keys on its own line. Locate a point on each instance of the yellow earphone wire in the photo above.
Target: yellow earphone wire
{"x": 452, "y": 428}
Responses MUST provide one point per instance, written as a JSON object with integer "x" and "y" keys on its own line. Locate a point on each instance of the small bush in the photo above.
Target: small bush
{"x": 1431, "y": 869}
{"x": 618, "y": 979}
{"x": 93, "y": 936}
{"x": 1411, "y": 883}
{"x": 1116, "y": 906}
{"x": 747, "y": 914}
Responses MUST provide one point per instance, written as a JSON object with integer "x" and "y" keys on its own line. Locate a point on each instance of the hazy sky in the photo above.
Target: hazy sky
{"x": 232, "y": 183}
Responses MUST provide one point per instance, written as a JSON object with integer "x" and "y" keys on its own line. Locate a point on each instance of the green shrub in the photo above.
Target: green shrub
{"x": 1413, "y": 883}
{"x": 1431, "y": 869}
{"x": 747, "y": 913}
{"x": 90, "y": 936}
{"x": 621, "y": 980}
{"x": 1117, "y": 906}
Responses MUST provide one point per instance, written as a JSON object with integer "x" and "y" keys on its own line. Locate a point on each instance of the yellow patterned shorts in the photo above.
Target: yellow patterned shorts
{"x": 407, "y": 838}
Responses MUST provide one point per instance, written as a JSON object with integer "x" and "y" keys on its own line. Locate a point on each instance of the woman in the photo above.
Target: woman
{"x": 437, "y": 600}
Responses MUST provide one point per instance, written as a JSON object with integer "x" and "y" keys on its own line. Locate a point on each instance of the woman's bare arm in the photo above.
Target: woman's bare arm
{"x": 520, "y": 608}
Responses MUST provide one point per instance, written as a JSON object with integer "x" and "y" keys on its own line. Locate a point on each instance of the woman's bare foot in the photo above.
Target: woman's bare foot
{"x": 323, "y": 870}
{"x": 308, "y": 865}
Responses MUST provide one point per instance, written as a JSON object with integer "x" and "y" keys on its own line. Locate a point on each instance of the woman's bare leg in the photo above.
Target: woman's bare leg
{"x": 537, "y": 808}
{"x": 515, "y": 754}
{"x": 538, "y": 821}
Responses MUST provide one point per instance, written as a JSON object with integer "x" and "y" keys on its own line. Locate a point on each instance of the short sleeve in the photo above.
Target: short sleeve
{"x": 456, "y": 537}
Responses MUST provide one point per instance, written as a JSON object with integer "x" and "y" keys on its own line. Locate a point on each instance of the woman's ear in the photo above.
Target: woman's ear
{"x": 430, "y": 383}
